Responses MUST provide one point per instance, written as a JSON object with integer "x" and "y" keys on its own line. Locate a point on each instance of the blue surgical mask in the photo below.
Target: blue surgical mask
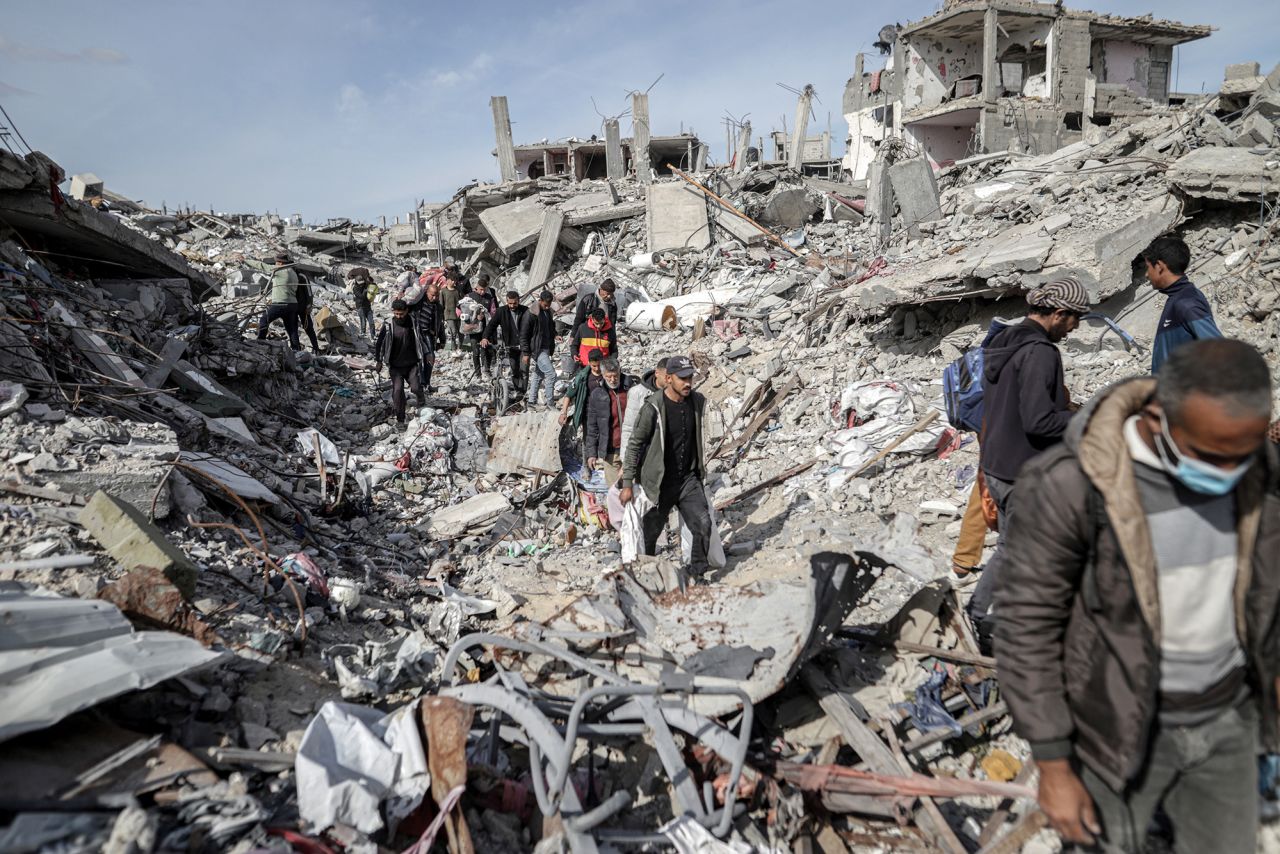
{"x": 1197, "y": 475}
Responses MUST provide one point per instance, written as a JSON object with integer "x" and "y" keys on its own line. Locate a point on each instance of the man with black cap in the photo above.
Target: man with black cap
{"x": 537, "y": 346}
{"x": 664, "y": 456}
{"x": 399, "y": 347}
{"x": 283, "y": 301}
{"x": 1025, "y": 409}
{"x": 509, "y": 318}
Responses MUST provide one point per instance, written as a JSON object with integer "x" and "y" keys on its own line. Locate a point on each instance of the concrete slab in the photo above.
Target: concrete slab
{"x": 515, "y": 225}
{"x": 1229, "y": 174}
{"x": 677, "y": 218}
{"x": 916, "y": 190}
{"x": 739, "y": 228}
{"x": 552, "y": 222}
{"x": 1015, "y": 256}
{"x": 132, "y": 541}
{"x": 469, "y": 516}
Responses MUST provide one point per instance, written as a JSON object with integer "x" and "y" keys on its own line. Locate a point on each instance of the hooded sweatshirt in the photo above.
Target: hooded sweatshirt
{"x": 590, "y": 337}
{"x": 1024, "y": 399}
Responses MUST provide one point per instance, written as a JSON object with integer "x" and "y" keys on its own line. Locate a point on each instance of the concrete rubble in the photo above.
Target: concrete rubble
{"x": 520, "y": 688}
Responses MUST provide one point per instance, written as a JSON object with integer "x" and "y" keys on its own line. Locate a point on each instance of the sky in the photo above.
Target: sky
{"x": 359, "y": 108}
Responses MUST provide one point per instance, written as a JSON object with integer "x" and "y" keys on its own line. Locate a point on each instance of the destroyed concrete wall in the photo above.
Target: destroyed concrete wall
{"x": 933, "y": 65}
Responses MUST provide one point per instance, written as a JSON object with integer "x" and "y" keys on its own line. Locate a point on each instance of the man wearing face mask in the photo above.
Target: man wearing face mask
{"x": 1137, "y": 641}
{"x": 1025, "y": 410}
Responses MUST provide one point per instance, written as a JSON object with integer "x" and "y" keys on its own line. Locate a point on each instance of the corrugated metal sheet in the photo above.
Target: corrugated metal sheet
{"x": 528, "y": 441}
{"x": 59, "y": 656}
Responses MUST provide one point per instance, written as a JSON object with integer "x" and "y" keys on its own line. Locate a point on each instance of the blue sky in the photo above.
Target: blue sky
{"x": 356, "y": 108}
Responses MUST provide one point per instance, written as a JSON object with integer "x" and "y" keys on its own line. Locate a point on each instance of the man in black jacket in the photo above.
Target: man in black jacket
{"x": 537, "y": 347}
{"x": 1025, "y": 408}
{"x": 665, "y": 457}
{"x": 606, "y": 409}
{"x": 602, "y": 298}
{"x": 399, "y": 347}
{"x": 508, "y": 318}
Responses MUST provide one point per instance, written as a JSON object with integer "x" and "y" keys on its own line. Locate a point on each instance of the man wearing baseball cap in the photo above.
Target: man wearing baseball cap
{"x": 1025, "y": 408}
{"x": 664, "y": 456}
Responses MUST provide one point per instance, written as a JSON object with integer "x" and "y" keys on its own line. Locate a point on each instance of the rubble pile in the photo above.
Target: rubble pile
{"x": 247, "y": 612}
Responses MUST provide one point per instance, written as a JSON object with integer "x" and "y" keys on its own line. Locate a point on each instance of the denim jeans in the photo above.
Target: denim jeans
{"x": 542, "y": 370}
{"x": 366, "y": 320}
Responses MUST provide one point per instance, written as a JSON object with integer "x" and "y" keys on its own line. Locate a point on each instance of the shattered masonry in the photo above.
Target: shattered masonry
{"x": 240, "y": 610}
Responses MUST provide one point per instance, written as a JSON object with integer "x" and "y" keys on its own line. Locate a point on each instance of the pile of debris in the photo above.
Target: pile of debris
{"x": 241, "y": 611}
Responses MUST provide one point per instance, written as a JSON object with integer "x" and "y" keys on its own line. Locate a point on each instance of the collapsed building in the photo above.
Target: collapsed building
{"x": 240, "y": 611}
{"x": 982, "y": 76}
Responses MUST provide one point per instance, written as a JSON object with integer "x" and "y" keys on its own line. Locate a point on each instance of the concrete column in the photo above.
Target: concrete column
{"x": 987, "y": 121}
{"x": 640, "y": 136}
{"x": 744, "y": 143}
{"x": 502, "y": 131}
{"x": 700, "y": 159}
{"x": 857, "y": 76}
{"x": 613, "y": 149}
{"x": 796, "y": 153}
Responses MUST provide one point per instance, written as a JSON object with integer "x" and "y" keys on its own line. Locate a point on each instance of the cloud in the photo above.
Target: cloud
{"x": 6, "y": 89}
{"x": 469, "y": 73}
{"x": 351, "y": 100}
{"x": 32, "y": 53}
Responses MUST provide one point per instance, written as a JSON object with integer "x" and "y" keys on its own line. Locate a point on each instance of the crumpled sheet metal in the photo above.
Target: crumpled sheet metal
{"x": 354, "y": 758}
{"x": 59, "y": 656}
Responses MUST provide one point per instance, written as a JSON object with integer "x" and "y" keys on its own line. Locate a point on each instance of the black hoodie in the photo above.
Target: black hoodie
{"x": 1024, "y": 398}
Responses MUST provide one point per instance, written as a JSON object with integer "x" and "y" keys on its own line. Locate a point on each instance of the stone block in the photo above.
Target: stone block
{"x": 677, "y": 218}
{"x": 1242, "y": 70}
{"x": 86, "y": 185}
{"x": 790, "y": 207}
{"x": 1255, "y": 130}
{"x": 916, "y": 190}
{"x": 132, "y": 472}
{"x": 135, "y": 543}
{"x": 515, "y": 225}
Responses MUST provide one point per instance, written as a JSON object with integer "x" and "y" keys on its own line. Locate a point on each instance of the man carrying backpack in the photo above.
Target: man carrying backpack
{"x": 1025, "y": 408}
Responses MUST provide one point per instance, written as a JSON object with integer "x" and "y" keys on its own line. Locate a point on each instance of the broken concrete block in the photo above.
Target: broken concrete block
{"x": 86, "y": 185}
{"x": 134, "y": 542}
{"x": 1242, "y": 70}
{"x": 1230, "y": 174}
{"x": 132, "y": 472}
{"x": 1255, "y": 129}
{"x": 1015, "y": 256}
{"x": 677, "y": 218}
{"x": 791, "y": 207}
{"x": 515, "y": 225}
{"x": 1055, "y": 223}
{"x": 471, "y": 515}
{"x": 916, "y": 190}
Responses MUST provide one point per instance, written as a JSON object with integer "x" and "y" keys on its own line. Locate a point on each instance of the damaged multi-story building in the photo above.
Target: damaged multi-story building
{"x": 982, "y": 76}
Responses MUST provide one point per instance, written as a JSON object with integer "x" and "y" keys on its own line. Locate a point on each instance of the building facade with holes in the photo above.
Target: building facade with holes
{"x": 984, "y": 76}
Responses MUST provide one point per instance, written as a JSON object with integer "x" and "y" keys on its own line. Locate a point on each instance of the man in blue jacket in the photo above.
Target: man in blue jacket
{"x": 1186, "y": 316}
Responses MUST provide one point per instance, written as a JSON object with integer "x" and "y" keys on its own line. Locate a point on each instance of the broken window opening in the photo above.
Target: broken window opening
{"x": 1073, "y": 121}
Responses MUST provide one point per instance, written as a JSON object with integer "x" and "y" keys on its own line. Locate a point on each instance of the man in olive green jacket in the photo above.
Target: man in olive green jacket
{"x": 284, "y": 301}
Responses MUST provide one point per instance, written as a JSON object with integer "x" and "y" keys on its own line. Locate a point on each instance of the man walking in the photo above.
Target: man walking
{"x": 1025, "y": 409}
{"x": 508, "y": 318}
{"x": 605, "y": 410}
{"x": 474, "y": 311}
{"x": 363, "y": 290}
{"x": 602, "y": 298}
{"x": 1186, "y": 316}
{"x": 399, "y": 348}
{"x": 653, "y": 382}
{"x": 1137, "y": 642}
{"x": 596, "y": 334}
{"x": 305, "y": 302}
{"x": 665, "y": 458}
{"x": 430, "y": 320}
{"x": 538, "y": 346}
{"x": 283, "y": 304}
{"x": 450, "y": 293}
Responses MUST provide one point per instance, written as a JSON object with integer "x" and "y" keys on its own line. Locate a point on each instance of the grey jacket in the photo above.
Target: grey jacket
{"x": 1078, "y": 639}
{"x": 645, "y": 459}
